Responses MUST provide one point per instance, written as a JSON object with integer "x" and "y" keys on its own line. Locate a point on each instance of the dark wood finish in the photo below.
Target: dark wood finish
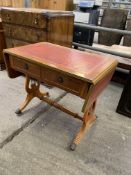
{"x": 124, "y": 63}
{"x": 83, "y": 74}
{"x": 112, "y": 18}
{"x": 124, "y": 106}
{"x": 36, "y": 25}
{"x": 127, "y": 39}
{"x": 2, "y": 46}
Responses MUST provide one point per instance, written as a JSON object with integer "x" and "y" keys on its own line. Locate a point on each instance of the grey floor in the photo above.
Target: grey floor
{"x": 37, "y": 142}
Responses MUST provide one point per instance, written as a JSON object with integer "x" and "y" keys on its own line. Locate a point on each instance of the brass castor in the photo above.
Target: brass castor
{"x": 73, "y": 147}
{"x": 48, "y": 95}
{"x": 18, "y": 112}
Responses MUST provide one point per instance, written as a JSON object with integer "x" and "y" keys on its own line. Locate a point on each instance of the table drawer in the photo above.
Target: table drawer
{"x": 25, "y": 67}
{"x": 65, "y": 82}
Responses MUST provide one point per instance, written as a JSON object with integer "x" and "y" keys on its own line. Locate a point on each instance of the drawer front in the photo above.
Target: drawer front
{"x": 24, "y": 33}
{"x": 31, "y": 19}
{"x": 65, "y": 82}
{"x": 25, "y": 67}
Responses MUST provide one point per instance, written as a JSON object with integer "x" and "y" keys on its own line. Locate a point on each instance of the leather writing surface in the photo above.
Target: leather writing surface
{"x": 82, "y": 64}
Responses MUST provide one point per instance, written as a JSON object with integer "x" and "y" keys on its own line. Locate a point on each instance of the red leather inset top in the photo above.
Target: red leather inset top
{"x": 82, "y": 64}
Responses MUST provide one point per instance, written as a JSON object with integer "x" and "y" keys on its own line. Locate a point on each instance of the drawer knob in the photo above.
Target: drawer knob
{"x": 26, "y": 67}
{"x": 60, "y": 80}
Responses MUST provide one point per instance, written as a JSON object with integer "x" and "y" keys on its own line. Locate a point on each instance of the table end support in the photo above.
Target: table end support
{"x": 88, "y": 120}
{"x": 33, "y": 91}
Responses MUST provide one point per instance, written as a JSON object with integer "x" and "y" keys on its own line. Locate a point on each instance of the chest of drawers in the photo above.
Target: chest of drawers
{"x": 24, "y": 25}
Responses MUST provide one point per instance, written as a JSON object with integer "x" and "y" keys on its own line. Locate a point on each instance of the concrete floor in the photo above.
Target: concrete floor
{"x": 36, "y": 143}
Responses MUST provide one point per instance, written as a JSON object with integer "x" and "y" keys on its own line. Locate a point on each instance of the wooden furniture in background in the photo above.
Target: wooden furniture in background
{"x": 83, "y": 74}
{"x": 127, "y": 39}
{"x": 124, "y": 106}
{"x": 12, "y": 3}
{"x": 2, "y": 46}
{"x": 18, "y": 3}
{"x": 66, "y": 5}
{"x": 112, "y": 18}
{"x": 52, "y": 4}
{"x": 23, "y": 26}
{"x": 7, "y": 3}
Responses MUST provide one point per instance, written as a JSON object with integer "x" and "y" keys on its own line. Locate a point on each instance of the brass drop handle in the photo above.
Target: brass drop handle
{"x": 26, "y": 67}
{"x": 36, "y": 21}
{"x": 60, "y": 80}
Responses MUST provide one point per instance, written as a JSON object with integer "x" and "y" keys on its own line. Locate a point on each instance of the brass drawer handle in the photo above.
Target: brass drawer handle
{"x": 36, "y": 21}
{"x": 26, "y": 67}
{"x": 60, "y": 80}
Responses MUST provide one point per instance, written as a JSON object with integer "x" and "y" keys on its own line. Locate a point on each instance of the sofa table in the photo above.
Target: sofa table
{"x": 81, "y": 73}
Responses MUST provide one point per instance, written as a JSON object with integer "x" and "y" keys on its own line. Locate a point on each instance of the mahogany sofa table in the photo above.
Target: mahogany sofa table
{"x": 83, "y": 74}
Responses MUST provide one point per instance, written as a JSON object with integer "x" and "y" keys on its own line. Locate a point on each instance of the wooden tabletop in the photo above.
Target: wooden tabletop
{"x": 86, "y": 66}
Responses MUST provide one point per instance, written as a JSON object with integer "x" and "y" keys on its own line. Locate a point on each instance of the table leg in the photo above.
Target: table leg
{"x": 33, "y": 90}
{"x": 88, "y": 119}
